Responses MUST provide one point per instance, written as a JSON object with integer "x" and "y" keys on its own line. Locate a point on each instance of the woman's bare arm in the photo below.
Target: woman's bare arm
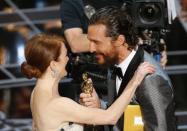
{"x": 71, "y": 111}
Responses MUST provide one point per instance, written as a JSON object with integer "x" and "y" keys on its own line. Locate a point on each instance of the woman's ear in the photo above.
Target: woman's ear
{"x": 54, "y": 69}
{"x": 53, "y": 65}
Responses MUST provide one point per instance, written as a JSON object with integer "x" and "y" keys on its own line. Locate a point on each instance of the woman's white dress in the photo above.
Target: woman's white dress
{"x": 73, "y": 127}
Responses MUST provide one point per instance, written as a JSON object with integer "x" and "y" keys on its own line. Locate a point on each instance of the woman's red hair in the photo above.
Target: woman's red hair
{"x": 40, "y": 50}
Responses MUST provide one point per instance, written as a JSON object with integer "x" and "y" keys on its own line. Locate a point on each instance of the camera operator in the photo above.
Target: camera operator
{"x": 154, "y": 44}
{"x": 176, "y": 38}
{"x": 151, "y": 19}
{"x": 75, "y": 16}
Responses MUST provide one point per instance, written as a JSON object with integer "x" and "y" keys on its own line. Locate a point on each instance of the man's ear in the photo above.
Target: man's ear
{"x": 120, "y": 40}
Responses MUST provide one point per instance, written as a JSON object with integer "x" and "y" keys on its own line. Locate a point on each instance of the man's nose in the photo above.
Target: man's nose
{"x": 92, "y": 47}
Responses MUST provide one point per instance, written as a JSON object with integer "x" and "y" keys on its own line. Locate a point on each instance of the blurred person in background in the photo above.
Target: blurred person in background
{"x": 50, "y": 111}
{"x": 53, "y": 27}
{"x": 177, "y": 37}
{"x": 2, "y": 55}
{"x": 75, "y": 15}
{"x": 176, "y": 40}
{"x": 12, "y": 40}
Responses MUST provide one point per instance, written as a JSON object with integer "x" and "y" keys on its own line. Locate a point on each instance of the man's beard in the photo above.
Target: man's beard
{"x": 109, "y": 61}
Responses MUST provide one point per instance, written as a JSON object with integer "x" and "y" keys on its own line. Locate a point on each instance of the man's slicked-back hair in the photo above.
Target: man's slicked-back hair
{"x": 117, "y": 22}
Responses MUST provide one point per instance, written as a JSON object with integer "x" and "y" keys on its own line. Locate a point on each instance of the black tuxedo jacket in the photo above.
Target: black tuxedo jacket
{"x": 154, "y": 95}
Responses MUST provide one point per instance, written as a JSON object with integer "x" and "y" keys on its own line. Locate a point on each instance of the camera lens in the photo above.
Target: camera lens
{"x": 149, "y": 13}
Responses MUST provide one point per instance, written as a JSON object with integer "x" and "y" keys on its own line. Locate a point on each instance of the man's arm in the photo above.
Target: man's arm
{"x": 73, "y": 23}
{"x": 155, "y": 97}
{"x": 77, "y": 41}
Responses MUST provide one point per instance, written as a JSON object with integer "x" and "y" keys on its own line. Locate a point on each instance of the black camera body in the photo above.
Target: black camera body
{"x": 149, "y": 13}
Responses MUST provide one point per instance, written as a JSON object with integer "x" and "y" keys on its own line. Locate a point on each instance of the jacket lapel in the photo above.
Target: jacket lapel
{"x": 137, "y": 59}
{"x": 111, "y": 91}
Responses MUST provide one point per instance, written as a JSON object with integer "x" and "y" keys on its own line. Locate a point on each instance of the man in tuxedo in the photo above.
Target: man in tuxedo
{"x": 114, "y": 43}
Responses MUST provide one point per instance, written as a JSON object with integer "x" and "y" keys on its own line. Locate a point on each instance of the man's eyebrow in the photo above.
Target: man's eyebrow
{"x": 92, "y": 39}
{"x": 95, "y": 40}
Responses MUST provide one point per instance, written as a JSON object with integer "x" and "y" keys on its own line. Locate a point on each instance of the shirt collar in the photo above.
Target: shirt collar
{"x": 124, "y": 64}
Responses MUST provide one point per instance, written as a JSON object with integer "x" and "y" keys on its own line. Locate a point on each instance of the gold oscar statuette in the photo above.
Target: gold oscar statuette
{"x": 87, "y": 88}
{"x": 87, "y": 84}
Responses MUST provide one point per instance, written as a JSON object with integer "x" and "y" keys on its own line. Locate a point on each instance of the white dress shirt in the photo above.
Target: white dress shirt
{"x": 123, "y": 65}
{"x": 172, "y": 13}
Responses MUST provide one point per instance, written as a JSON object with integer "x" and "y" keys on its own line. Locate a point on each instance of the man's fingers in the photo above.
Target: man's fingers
{"x": 88, "y": 104}
{"x": 81, "y": 102}
{"x": 94, "y": 92}
{"x": 87, "y": 99}
{"x": 90, "y": 100}
{"x": 84, "y": 95}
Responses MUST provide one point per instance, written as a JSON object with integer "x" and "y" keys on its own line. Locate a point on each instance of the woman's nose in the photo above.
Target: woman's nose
{"x": 67, "y": 58}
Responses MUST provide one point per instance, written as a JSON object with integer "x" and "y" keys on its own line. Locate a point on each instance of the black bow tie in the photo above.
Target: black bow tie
{"x": 117, "y": 72}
